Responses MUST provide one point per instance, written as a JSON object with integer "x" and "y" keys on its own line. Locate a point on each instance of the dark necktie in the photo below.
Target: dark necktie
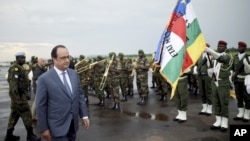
{"x": 66, "y": 84}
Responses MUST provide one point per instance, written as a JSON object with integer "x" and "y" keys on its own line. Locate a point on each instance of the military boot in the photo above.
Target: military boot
{"x": 124, "y": 98}
{"x": 31, "y": 136}
{"x": 10, "y": 136}
{"x": 101, "y": 103}
{"x": 116, "y": 106}
{"x": 142, "y": 101}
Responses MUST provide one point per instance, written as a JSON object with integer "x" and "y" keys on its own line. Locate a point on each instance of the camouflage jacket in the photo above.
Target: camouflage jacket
{"x": 18, "y": 82}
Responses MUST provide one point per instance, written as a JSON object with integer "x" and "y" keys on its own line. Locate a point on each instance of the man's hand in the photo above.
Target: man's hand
{"x": 86, "y": 123}
{"x": 46, "y": 135}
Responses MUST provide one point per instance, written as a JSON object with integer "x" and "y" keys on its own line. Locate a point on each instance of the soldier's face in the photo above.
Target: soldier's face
{"x": 63, "y": 59}
{"x": 21, "y": 60}
{"x": 241, "y": 49}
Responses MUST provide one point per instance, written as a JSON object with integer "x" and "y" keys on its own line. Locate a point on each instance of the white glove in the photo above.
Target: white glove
{"x": 248, "y": 89}
{"x": 215, "y": 54}
{"x": 195, "y": 70}
{"x": 210, "y": 72}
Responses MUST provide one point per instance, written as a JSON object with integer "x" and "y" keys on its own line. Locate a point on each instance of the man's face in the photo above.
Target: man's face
{"x": 41, "y": 62}
{"x": 140, "y": 54}
{"x": 241, "y": 49}
{"x": 221, "y": 48}
{"x": 63, "y": 59}
{"x": 21, "y": 60}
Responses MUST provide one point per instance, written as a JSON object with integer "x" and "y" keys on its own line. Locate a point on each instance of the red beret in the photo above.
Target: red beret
{"x": 243, "y": 44}
{"x": 207, "y": 45}
{"x": 222, "y": 42}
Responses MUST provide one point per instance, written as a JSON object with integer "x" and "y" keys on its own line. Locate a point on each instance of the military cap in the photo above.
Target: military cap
{"x": 20, "y": 54}
{"x": 222, "y": 42}
{"x": 120, "y": 54}
{"x": 207, "y": 45}
{"x": 140, "y": 51}
{"x": 99, "y": 57}
{"x": 243, "y": 44}
{"x": 111, "y": 54}
{"x": 82, "y": 56}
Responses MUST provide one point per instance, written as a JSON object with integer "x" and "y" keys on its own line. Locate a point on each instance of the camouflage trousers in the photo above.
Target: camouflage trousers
{"x": 115, "y": 87}
{"x": 123, "y": 82}
{"x": 20, "y": 110}
{"x": 142, "y": 84}
{"x": 97, "y": 83}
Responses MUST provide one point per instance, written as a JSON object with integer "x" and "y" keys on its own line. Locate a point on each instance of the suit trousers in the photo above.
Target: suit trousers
{"x": 71, "y": 135}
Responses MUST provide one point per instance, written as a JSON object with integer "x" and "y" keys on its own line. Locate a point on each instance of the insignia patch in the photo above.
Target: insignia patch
{"x": 16, "y": 69}
{"x": 16, "y": 76}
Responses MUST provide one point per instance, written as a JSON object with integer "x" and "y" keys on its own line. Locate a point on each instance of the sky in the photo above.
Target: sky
{"x": 98, "y": 27}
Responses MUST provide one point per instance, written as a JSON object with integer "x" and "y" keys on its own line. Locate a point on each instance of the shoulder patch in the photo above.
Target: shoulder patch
{"x": 16, "y": 68}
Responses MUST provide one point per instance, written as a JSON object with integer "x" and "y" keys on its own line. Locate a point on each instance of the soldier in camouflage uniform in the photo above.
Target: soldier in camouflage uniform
{"x": 84, "y": 76}
{"x": 108, "y": 86}
{"x": 113, "y": 70}
{"x": 34, "y": 61}
{"x": 122, "y": 67}
{"x": 161, "y": 84}
{"x": 18, "y": 83}
{"x": 99, "y": 70}
{"x": 130, "y": 76}
{"x": 142, "y": 67}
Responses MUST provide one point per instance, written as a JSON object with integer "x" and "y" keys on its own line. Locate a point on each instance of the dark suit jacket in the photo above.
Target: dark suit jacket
{"x": 55, "y": 107}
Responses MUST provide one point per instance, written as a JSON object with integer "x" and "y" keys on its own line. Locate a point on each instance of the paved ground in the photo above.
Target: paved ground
{"x": 152, "y": 122}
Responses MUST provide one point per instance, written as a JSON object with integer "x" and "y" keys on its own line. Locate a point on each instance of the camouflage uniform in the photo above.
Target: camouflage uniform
{"x": 84, "y": 76}
{"x": 130, "y": 76}
{"x": 99, "y": 70}
{"x": 115, "y": 83}
{"x": 142, "y": 66}
{"x": 161, "y": 84}
{"x": 108, "y": 86}
{"x": 18, "y": 87}
{"x": 33, "y": 67}
{"x": 123, "y": 79}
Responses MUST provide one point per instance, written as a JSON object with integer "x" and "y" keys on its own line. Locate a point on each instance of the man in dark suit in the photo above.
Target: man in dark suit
{"x": 60, "y": 99}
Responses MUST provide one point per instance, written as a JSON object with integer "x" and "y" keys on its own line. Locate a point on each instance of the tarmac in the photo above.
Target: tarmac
{"x": 151, "y": 122}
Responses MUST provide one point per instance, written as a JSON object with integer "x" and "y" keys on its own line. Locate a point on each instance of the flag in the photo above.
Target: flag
{"x": 181, "y": 43}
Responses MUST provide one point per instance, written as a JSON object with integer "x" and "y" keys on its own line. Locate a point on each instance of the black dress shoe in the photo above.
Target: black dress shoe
{"x": 181, "y": 121}
{"x": 214, "y": 127}
{"x": 202, "y": 113}
{"x": 207, "y": 114}
{"x": 175, "y": 119}
{"x": 222, "y": 129}
{"x": 237, "y": 118}
{"x": 245, "y": 120}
